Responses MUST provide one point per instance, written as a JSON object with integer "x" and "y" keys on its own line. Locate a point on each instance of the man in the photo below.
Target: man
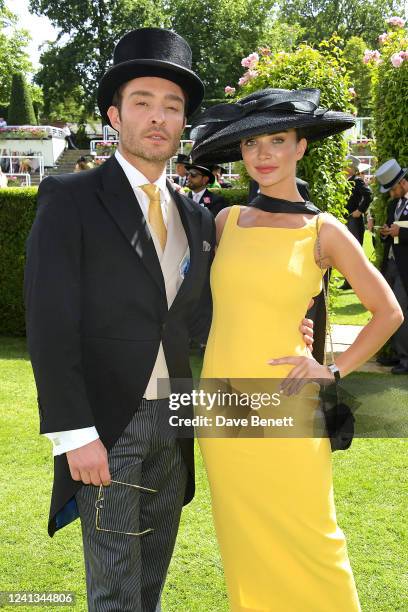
{"x": 199, "y": 178}
{"x": 3, "y": 122}
{"x": 117, "y": 262}
{"x": 393, "y": 180}
{"x": 181, "y": 178}
{"x": 68, "y": 137}
{"x": 359, "y": 201}
{"x": 220, "y": 182}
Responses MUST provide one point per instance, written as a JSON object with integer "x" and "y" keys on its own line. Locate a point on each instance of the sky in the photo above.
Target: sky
{"x": 40, "y": 28}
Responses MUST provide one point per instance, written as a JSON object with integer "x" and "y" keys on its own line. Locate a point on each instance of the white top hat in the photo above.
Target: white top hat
{"x": 389, "y": 174}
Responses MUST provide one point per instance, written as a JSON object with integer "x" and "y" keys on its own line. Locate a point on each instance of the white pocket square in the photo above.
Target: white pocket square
{"x": 206, "y": 246}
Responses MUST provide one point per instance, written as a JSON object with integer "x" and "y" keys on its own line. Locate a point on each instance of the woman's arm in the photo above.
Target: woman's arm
{"x": 339, "y": 249}
{"x": 342, "y": 251}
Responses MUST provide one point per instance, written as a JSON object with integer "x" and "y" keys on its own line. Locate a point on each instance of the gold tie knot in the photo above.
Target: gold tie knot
{"x": 152, "y": 191}
{"x": 155, "y": 212}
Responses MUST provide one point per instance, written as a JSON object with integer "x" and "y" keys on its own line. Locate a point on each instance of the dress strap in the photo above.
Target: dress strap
{"x": 233, "y": 217}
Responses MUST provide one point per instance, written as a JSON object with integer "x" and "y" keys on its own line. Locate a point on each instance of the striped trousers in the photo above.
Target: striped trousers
{"x": 126, "y": 573}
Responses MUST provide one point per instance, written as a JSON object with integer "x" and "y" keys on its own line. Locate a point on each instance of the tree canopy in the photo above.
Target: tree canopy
{"x": 321, "y": 18}
{"x": 13, "y": 54}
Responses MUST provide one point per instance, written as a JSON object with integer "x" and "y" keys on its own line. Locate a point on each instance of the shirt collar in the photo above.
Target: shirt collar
{"x": 136, "y": 178}
{"x": 199, "y": 195}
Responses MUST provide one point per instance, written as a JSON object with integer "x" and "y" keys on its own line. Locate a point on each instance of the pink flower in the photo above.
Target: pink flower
{"x": 207, "y": 200}
{"x": 252, "y": 74}
{"x": 371, "y": 56}
{"x": 404, "y": 55}
{"x": 382, "y": 38}
{"x": 250, "y": 61}
{"x": 398, "y": 22}
{"x": 352, "y": 92}
{"x": 396, "y": 60}
{"x": 229, "y": 91}
{"x": 243, "y": 80}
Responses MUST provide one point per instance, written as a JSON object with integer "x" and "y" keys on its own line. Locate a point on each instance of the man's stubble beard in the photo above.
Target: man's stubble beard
{"x": 131, "y": 143}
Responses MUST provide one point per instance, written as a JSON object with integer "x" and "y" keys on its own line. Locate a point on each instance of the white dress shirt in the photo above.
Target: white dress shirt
{"x": 197, "y": 196}
{"x": 64, "y": 441}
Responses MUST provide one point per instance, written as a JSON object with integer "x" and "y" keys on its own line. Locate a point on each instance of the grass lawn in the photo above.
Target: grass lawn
{"x": 347, "y": 308}
{"x": 371, "y": 494}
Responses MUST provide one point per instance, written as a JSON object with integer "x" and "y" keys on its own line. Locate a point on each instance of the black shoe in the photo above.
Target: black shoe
{"x": 387, "y": 361}
{"x": 345, "y": 286}
{"x": 399, "y": 369}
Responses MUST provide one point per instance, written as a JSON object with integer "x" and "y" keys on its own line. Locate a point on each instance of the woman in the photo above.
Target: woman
{"x": 272, "y": 497}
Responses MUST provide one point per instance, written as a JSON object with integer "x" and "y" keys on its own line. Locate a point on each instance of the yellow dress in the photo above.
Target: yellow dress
{"x": 272, "y": 498}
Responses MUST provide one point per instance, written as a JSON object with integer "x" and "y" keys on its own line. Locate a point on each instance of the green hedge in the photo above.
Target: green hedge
{"x": 17, "y": 212}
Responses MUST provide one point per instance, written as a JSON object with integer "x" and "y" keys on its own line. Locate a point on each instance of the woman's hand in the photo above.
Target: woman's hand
{"x": 306, "y": 369}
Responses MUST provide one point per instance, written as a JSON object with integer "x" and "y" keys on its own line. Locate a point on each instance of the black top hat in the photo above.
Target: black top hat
{"x": 203, "y": 170}
{"x": 151, "y": 52}
{"x": 219, "y": 130}
{"x": 182, "y": 159}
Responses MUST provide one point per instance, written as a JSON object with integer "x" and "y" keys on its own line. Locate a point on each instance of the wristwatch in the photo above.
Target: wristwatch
{"x": 335, "y": 371}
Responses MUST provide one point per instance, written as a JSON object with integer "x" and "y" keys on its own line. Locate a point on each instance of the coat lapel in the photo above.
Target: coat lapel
{"x": 191, "y": 220}
{"x": 119, "y": 199}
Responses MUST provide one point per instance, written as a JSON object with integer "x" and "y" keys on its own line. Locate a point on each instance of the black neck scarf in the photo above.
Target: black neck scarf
{"x": 276, "y": 205}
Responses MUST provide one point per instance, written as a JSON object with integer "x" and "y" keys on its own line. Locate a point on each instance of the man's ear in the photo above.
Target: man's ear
{"x": 114, "y": 117}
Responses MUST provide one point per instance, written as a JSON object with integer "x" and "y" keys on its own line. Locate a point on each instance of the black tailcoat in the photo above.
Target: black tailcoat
{"x": 96, "y": 308}
{"x": 212, "y": 201}
{"x": 400, "y": 249}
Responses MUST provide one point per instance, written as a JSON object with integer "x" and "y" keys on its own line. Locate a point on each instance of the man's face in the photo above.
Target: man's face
{"x": 151, "y": 118}
{"x": 196, "y": 181}
{"x": 181, "y": 169}
{"x": 399, "y": 190}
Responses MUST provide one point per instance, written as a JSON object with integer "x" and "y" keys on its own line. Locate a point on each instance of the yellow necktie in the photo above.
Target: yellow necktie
{"x": 155, "y": 212}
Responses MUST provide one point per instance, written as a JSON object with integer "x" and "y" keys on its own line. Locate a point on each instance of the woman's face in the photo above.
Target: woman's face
{"x": 272, "y": 158}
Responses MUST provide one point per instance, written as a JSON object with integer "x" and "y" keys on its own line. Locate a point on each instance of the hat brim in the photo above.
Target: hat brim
{"x": 203, "y": 171}
{"x": 224, "y": 146}
{"x": 399, "y": 177}
{"x": 117, "y": 75}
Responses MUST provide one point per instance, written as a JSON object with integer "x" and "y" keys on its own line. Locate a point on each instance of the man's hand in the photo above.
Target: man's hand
{"x": 394, "y": 230}
{"x": 356, "y": 214}
{"x": 89, "y": 464}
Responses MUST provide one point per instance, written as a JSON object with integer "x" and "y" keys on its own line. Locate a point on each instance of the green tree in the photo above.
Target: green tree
{"x": 13, "y": 54}
{"x": 70, "y": 70}
{"x": 21, "y": 111}
{"x": 220, "y": 33}
{"x": 390, "y": 101}
{"x": 321, "y": 18}
{"x": 360, "y": 75}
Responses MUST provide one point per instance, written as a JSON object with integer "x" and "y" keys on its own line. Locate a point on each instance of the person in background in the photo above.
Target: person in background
{"x": 83, "y": 164}
{"x": 3, "y": 180}
{"x": 220, "y": 182}
{"x": 181, "y": 178}
{"x": 359, "y": 201}
{"x": 199, "y": 179}
{"x": 394, "y": 234}
{"x": 68, "y": 137}
{"x": 3, "y": 122}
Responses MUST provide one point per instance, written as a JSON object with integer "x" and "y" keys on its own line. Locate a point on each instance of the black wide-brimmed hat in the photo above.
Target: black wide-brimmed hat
{"x": 203, "y": 170}
{"x": 151, "y": 52}
{"x": 220, "y": 129}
